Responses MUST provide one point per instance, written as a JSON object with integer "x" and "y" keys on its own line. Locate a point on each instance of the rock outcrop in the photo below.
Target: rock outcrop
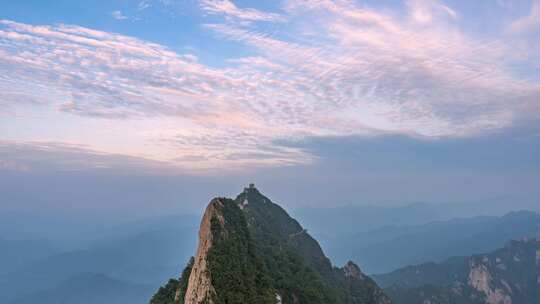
{"x": 480, "y": 280}
{"x": 352, "y": 271}
{"x": 200, "y": 287}
{"x": 361, "y": 288}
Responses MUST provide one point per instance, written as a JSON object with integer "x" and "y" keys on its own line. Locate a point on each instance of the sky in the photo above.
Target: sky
{"x": 156, "y": 105}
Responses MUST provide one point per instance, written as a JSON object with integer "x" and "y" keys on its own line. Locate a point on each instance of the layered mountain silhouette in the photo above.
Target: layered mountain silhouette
{"x": 88, "y": 288}
{"x": 251, "y": 251}
{"x": 510, "y": 275}
{"x": 392, "y": 247}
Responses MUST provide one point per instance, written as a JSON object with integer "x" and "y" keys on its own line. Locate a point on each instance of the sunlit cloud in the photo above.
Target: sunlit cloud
{"x": 358, "y": 71}
{"x": 38, "y": 156}
{"x": 428, "y": 11}
{"x": 231, "y": 11}
{"x": 527, "y": 23}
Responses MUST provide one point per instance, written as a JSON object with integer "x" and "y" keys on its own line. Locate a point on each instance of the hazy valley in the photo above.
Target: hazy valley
{"x": 130, "y": 261}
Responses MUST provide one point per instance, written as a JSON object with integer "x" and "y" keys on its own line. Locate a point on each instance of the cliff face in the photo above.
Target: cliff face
{"x": 510, "y": 275}
{"x": 251, "y": 251}
{"x": 200, "y": 286}
{"x": 226, "y": 268}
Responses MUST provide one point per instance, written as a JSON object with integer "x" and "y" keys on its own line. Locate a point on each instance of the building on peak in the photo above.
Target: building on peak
{"x": 250, "y": 188}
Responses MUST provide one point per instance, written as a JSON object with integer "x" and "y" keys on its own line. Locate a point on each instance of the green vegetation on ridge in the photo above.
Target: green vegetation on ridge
{"x": 260, "y": 253}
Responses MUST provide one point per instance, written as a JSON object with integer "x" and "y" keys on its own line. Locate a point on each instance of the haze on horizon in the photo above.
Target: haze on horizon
{"x": 143, "y": 107}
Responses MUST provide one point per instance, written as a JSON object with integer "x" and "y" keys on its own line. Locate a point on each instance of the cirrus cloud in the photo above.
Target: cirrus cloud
{"x": 231, "y": 11}
{"x": 526, "y": 23}
{"x": 358, "y": 71}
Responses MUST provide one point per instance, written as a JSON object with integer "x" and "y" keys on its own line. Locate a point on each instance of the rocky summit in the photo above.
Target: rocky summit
{"x": 251, "y": 251}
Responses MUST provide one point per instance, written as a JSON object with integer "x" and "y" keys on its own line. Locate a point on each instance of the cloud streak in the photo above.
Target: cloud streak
{"x": 527, "y": 23}
{"x": 118, "y": 15}
{"x": 357, "y": 72}
{"x": 47, "y": 156}
{"x": 231, "y": 11}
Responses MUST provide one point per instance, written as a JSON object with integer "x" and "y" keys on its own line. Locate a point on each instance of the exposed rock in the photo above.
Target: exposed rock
{"x": 481, "y": 280}
{"x": 200, "y": 283}
{"x": 243, "y": 204}
{"x": 506, "y": 285}
{"x": 352, "y": 270}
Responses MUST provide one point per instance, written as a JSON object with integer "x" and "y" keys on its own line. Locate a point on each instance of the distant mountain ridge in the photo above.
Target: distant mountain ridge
{"x": 17, "y": 253}
{"x": 348, "y": 220}
{"x": 251, "y": 251}
{"x": 146, "y": 251}
{"x": 88, "y": 288}
{"x": 140, "y": 253}
{"x": 510, "y": 275}
{"x": 392, "y": 247}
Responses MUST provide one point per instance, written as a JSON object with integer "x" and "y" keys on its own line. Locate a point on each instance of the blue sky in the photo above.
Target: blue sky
{"x": 359, "y": 91}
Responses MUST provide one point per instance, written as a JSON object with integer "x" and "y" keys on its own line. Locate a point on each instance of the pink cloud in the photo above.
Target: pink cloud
{"x": 358, "y": 71}
{"x": 527, "y": 23}
{"x": 230, "y": 10}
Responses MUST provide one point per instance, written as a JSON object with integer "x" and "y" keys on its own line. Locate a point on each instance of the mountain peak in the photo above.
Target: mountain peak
{"x": 251, "y": 191}
{"x": 250, "y": 187}
{"x": 251, "y": 251}
{"x": 251, "y": 195}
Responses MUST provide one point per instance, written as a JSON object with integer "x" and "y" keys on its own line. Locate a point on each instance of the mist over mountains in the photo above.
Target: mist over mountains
{"x": 351, "y": 219}
{"x": 385, "y": 249}
{"x": 133, "y": 254}
{"x": 139, "y": 255}
{"x": 89, "y": 288}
